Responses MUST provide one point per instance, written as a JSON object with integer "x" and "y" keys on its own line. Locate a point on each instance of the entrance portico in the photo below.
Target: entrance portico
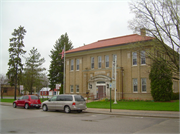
{"x": 99, "y": 86}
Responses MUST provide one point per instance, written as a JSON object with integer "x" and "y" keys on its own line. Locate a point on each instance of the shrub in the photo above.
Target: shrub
{"x": 161, "y": 81}
{"x": 175, "y": 96}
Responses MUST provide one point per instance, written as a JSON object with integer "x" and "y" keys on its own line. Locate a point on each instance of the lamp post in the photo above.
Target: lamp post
{"x": 115, "y": 60}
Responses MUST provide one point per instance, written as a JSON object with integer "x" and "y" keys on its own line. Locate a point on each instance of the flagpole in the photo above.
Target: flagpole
{"x": 64, "y": 81}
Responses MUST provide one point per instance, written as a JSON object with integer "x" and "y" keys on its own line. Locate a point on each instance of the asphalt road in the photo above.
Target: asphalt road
{"x": 20, "y": 120}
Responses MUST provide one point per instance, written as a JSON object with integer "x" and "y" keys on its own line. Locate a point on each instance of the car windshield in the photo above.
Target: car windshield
{"x": 79, "y": 98}
{"x": 34, "y": 97}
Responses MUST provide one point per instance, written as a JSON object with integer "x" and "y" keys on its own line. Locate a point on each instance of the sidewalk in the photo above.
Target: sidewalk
{"x": 140, "y": 113}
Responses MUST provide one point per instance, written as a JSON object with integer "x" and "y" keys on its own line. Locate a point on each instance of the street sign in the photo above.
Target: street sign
{"x": 21, "y": 87}
{"x": 110, "y": 85}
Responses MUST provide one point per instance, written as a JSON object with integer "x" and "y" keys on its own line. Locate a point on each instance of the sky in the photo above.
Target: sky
{"x": 85, "y": 22}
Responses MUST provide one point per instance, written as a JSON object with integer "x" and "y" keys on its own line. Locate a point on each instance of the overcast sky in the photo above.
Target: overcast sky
{"x": 85, "y": 21}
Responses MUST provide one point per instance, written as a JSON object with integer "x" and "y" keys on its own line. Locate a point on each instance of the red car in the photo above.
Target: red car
{"x": 27, "y": 101}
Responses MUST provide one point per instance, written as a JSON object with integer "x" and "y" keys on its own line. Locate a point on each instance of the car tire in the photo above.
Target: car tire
{"x": 26, "y": 106}
{"x": 67, "y": 109}
{"x": 45, "y": 108}
{"x": 14, "y": 105}
{"x": 79, "y": 111}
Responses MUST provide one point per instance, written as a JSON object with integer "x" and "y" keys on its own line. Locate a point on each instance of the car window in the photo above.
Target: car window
{"x": 64, "y": 98}
{"x": 20, "y": 98}
{"x": 34, "y": 97}
{"x": 79, "y": 98}
{"x": 54, "y": 98}
{"x": 25, "y": 97}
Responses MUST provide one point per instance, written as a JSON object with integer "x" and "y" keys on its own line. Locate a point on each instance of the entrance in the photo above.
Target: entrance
{"x": 101, "y": 92}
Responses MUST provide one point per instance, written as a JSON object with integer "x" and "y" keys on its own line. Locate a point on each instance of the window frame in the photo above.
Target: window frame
{"x": 99, "y": 62}
{"x": 107, "y": 61}
{"x": 92, "y": 62}
{"x": 77, "y": 88}
{"x": 143, "y": 58}
{"x": 77, "y": 64}
{"x": 135, "y": 85}
{"x": 143, "y": 85}
{"x": 72, "y": 65}
{"x": 134, "y": 58}
{"x": 71, "y": 89}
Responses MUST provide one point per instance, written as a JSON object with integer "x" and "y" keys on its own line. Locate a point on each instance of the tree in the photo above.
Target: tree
{"x": 15, "y": 51}
{"x": 3, "y": 81}
{"x": 56, "y": 67}
{"x": 33, "y": 69}
{"x": 161, "y": 81}
{"x": 160, "y": 19}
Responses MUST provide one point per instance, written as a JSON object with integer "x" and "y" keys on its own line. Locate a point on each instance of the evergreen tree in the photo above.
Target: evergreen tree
{"x": 57, "y": 64}
{"x": 33, "y": 69}
{"x": 15, "y": 53}
{"x": 161, "y": 81}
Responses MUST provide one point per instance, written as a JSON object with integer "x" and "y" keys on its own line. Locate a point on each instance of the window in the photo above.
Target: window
{"x": 92, "y": 62}
{"x": 79, "y": 98}
{"x": 143, "y": 58}
{"x": 34, "y": 97}
{"x": 114, "y": 57}
{"x": 64, "y": 98}
{"x": 99, "y": 61}
{"x": 134, "y": 58}
{"x": 72, "y": 64}
{"x": 143, "y": 84}
{"x": 54, "y": 98}
{"x": 135, "y": 83}
{"x": 77, "y": 88}
{"x": 71, "y": 88}
{"x": 77, "y": 64}
{"x": 107, "y": 60}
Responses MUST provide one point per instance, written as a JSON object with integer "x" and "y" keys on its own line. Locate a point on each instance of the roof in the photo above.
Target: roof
{"x": 112, "y": 42}
{"x": 45, "y": 89}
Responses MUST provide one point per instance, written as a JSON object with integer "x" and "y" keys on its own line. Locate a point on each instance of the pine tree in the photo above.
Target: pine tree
{"x": 56, "y": 67}
{"x": 33, "y": 69}
{"x": 15, "y": 53}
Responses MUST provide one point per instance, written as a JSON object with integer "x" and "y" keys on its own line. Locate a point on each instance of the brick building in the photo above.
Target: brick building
{"x": 89, "y": 68}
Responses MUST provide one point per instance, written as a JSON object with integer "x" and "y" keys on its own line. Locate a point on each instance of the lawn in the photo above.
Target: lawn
{"x": 137, "y": 105}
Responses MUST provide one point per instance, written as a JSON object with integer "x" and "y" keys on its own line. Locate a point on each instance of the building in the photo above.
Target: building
{"x": 89, "y": 68}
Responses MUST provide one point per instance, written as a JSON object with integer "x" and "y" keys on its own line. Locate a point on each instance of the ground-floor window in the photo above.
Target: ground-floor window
{"x": 135, "y": 85}
{"x": 71, "y": 88}
{"x": 143, "y": 84}
{"x": 77, "y": 88}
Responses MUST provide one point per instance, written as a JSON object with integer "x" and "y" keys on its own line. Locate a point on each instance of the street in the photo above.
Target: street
{"x": 20, "y": 120}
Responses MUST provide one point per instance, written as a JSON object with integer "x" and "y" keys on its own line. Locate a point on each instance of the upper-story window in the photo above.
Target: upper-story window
{"x": 107, "y": 60}
{"x": 92, "y": 62}
{"x": 134, "y": 58}
{"x": 99, "y": 61}
{"x": 77, "y": 64}
{"x": 72, "y": 64}
{"x": 114, "y": 57}
{"x": 143, "y": 57}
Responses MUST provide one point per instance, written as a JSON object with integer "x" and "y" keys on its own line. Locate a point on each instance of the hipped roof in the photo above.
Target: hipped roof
{"x": 112, "y": 42}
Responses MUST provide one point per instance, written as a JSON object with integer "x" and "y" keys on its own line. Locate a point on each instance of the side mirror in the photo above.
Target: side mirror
{"x": 49, "y": 100}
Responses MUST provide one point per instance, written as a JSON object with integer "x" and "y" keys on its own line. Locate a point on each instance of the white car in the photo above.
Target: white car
{"x": 66, "y": 102}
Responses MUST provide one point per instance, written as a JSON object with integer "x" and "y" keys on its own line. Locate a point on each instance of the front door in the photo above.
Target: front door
{"x": 101, "y": 93}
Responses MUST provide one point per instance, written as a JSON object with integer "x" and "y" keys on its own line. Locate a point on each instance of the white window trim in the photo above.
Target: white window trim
{"x": 76, "y": 89}
{"x": 133, "y": 85}
{"x": 92, "y": 62}
{"x": 142, "y": 86}
{"x": 144, "y": 57}
{"x": 136, "y": 58}
{"x": 106, "y": 61}
{"x": 99, "y": 62}
{"x": 71, "y": 65}
{"x": 77, "y": 64}
{"x": 71, "y": 88}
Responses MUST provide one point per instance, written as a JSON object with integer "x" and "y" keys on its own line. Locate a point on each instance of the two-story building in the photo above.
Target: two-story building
{"x": 89, "y": 68}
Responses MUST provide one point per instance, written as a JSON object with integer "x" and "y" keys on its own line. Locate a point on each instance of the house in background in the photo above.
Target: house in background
{"x": 89, "y": 68}
{"x": 46, "y": 91}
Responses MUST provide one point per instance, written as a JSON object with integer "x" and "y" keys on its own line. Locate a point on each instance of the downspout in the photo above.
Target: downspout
{"x": 122, "y": 73}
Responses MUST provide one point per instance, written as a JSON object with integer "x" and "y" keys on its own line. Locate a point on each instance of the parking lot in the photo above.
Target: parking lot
{"x": 20, "y": 120}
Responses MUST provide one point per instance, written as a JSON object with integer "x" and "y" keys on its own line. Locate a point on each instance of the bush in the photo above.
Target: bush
{"x": 161, "y": 81}
{"x": 175, "y": 96}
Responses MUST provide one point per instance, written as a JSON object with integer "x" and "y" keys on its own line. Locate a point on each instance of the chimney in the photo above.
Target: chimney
{"x": 143, "y": 31}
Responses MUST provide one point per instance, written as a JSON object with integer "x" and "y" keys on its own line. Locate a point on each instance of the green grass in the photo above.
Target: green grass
{"x": 137, "y": 105}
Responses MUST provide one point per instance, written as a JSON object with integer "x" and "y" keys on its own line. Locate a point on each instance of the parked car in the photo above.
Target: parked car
{"x": 65, "y": 102}
{"x": 27, "y": 101}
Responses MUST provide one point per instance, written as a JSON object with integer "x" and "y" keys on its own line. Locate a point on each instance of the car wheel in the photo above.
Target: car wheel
{"x": 79, "y": 111}
{"x": 45, "y": 108}
{"x": 14, "y": 105}
{"x": 26, "y": 106}
{"x": 67, "y": 109}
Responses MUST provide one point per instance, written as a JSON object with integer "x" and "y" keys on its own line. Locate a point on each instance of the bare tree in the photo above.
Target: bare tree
{"x": 159, "y": 19}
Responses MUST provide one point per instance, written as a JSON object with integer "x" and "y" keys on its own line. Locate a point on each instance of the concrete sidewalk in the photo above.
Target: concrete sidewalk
{"x": 140, "y": 113}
